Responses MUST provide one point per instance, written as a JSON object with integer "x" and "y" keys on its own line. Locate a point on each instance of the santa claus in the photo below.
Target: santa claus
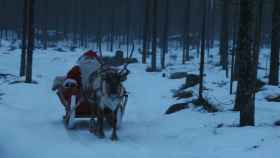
{"x": 79, "y": 74}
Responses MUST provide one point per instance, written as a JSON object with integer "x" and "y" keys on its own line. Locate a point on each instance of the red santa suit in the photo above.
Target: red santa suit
{"x": 79, "y": 76}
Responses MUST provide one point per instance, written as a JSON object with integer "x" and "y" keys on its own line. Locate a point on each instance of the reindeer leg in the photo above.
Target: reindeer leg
{"x": 100, "y": 116}
{"x": 114, "y": 136}
{"x": 92, "y": 122}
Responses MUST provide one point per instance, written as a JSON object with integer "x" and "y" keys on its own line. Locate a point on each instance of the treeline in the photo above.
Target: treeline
{"x": 242, "y": 28}
{"x": 92, "y": 21}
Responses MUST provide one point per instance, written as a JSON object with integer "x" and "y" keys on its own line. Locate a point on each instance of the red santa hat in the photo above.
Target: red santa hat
{"x": 90, "y": 53}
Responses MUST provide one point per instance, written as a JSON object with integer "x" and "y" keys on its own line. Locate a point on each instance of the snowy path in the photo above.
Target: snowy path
{"x": 36, "y": 114}
{"x": 31, "y": 125}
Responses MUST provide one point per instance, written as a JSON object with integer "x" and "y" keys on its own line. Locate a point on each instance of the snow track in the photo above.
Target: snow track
{"x": 31, "y": 121}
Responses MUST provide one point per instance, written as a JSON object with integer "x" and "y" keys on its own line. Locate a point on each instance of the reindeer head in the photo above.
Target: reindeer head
{"x": 114, "y": 79}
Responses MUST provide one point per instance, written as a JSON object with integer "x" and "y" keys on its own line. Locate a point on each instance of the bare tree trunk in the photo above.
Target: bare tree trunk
{"x": 186, "y": 37}
{"x": 202, "y": 54}
{"x": 237, "y": 53}
{"x": 146, "y": 31}
{"x": 112, "y": 29}
{"x": 127, "y": 27}
{"x": 23, "y": 47}
{"x": 1, "y": 25}
{"x": 234, "y": 47}
{"x": 274, "y": 58}
{"x": 165, "y": 34}
{"x": 45, "y": 25}
{"x": 83, "y": 25}
{"x": 246, "y": 77}
{"x": 30, "y": 41}
{"x": 232, "y": 59}
{"x": 258, "y": 30}
{"x": 74, "y": 24}
{"x": 256, "y": 51}
{"x": 208, "y": 29}
{"x": 99, "y": 28}
{"x": 224, "y": 36}
{"x": 213, "y": 23}
{"x": 154, "y": 42}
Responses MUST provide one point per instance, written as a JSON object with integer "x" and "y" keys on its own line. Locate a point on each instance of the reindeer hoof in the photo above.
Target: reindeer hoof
{"x": 100, "y": 135}
{"x": 92, "y": 126}
{"x": 114, "y": 138}
{"x": 92, "y": 130}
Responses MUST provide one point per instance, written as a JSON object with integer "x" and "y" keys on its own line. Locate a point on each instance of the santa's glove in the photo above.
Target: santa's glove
{"x": 70, "y": 83}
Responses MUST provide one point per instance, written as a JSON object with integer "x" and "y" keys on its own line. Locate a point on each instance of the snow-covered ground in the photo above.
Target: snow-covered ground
{"x": 31, "y": 117}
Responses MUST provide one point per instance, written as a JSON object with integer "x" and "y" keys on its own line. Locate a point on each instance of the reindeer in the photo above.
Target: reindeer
{"x": 106, "y": 95}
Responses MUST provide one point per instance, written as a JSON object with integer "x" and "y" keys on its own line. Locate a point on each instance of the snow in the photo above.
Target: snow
{"x": 31, "y": 116}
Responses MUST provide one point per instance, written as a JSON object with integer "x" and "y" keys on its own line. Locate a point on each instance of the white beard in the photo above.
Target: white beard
{"x": 87, "y": 68}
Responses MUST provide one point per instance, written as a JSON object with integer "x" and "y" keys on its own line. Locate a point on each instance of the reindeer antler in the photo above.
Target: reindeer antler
{"x": 127, "y": 58}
